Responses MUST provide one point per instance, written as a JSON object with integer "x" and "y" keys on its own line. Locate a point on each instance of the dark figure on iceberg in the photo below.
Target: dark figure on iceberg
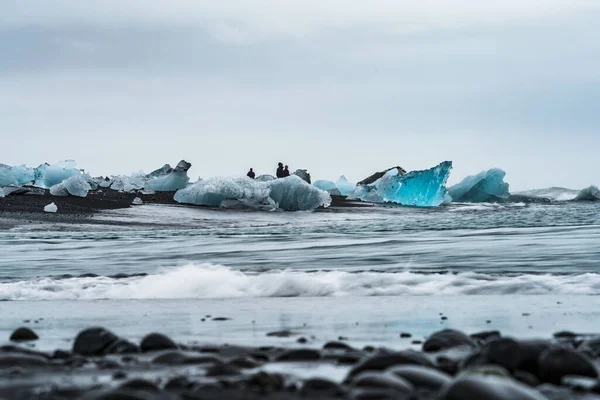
{"x": 251, "y": 174}
{"x": 286, "y": 172}
{"x": 280, "y": 170}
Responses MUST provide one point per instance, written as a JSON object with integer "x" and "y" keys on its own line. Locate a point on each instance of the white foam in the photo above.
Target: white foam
{"x": 213, "y": 281}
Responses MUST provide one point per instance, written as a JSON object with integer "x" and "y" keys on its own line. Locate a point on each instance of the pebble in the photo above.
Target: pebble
{"x": 558, "y": 362}
{"x": 23, "y": 334}
{"x": 447, "y": 339}
{"x": 384, "y": 361}
{"x": 479, "y": 387}
{"x": 93, "y": 341}
{"x": 157, "y": 341}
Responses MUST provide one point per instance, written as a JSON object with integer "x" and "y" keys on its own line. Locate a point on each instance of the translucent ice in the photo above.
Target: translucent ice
{"x": 588, "y": 194}
{"x": 344, "y": 186}
{"x": 303, "y": 174}
{"x": 137, "y": 201}
{"x": 265, "y": 178}
{"x": 174, "y": 180}
{"x": 51, "y": 208}
{"x": 47, "y": 176}
{"x": 23, "y": 175}
{"x": 486, "y": 186}
{"x": 417, "y": 188}
{"x": 77, "y": 185}
{"x": 123, "y": 183}
{"x": 328, "y": 186}
{"x": 7, "y": 177}
{"x": 290, "y": 193}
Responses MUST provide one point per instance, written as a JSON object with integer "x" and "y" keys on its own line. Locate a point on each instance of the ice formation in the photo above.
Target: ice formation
{"x": 588, "y": 194}
{"x": 485, "y": 187}
{"x": 51, "y": 208}
{"x": 77, "y": 185}
{"x": 344, "y": 186}
{"x": 171, "y": 179}
{"x": 137, "y": 202}
{"x": 553, "y": 193}
{"x": 417, "y": 188}
{"x": 328, "y": 186}
{"x": 291, "y": 193}
{"x": 18, "y": 175}
{"x": 265, "y": 178}
{"x": 123, "y": 183}
{"x": 303, "y": 174}
{"x": 7, "y": 178}
{"x": 47, "y": 176}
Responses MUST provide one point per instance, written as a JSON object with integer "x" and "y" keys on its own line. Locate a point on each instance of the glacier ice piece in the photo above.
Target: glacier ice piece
{"x": 417, "y": 188}
{"x": 485, "y": 187}
{"x": 172, "y": 181}
{"x": 123, "y": 183}
{"x": 344, "y": 186}
{"x": 137, "y": 202}
{"x": 303, "y": 174}
{"x": 291, "y": 193}
{"x": 328, "y": 186}
{"x": 588, "y": 194}
{"x": 7, "y": 178}
{"x": 265, "y": 178}
{"x": 23, "y": 175}
{"x": 77, "y": 185}
{"x": 378, "y": 175}
{"x": 552, "y": 193}
{"x": 47, "y": 176}
{"x": 51, "y": 208}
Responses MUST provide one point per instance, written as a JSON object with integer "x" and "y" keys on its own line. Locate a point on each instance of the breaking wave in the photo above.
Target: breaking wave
{"x": 213, "y": 281}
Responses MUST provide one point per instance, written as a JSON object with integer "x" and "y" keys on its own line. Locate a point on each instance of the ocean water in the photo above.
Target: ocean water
{"x": 365, "y": 274}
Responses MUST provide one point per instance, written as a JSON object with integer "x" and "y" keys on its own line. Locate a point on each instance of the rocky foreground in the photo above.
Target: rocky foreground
{"x": 451, "y": 366}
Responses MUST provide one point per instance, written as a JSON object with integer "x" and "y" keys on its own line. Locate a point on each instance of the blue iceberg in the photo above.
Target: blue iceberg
{"x": 7, "y": 177}
{"x": 47, "y": 176}
{"x": 417, "y": 188}
{"x": 171, "y": 179}
{"x": 485, "y": 187}
{"x": 344, "y": 186}
{"x": 328, "y": 186}
{"x": 290, "y": 194}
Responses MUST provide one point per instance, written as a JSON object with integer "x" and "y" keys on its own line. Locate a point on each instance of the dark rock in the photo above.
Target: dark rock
{"x": 302, "y": 340}
{"x": 183, "y": 166}
{"x": 21, "y": 360}
{"x": 61, "y": 354}
{"x": 107, "y": 364}
{"x": 405, "y": 335}
{"x": 157, "y": 341}
{"x": 384, "y": 361}
{"x": 488, "y": 388}
{"x": 591, "y": 347}
{"x": 337, "y": 346}
{"x": 119, "y": 375}
{"x": 93, "y": 341}
{"x": 179, "y": 383}
{"x": 557, "y": 362}
{"x": 221, "y": 369}
{"x": 447, "y": 339}
{"x": 141, "y": 385}
{"x": 416, "y": 342}
{"x": 300, "y": 355}
{"x": 380, "y": 380}
{"x": 340, "y": 338}
{"x": 558, "y": 393}
{"x": 176, "y": 357}
{"x": 244, "y": 362}
{"x": 421, "y": 377}
{"x": 320, "y": 387}
{"x": 281, "y": 334}
{"x": 22, "y": 350}
{"x": 265, "y": 381}
{"x": 23, "y": 334}
{"x": 221, "y": 319}
{"x": 565, "y": 335}
{"x": 530, "y": 351}
{"x": 527, "y": 378}
{"x": 502, "y": 351}
{"x": 448, "y": 365}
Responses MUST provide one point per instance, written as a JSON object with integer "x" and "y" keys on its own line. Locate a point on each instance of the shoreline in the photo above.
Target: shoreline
{"x": 448, "y": 365}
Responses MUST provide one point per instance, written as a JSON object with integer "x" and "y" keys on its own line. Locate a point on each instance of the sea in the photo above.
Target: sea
{"x": 362, "y": 275}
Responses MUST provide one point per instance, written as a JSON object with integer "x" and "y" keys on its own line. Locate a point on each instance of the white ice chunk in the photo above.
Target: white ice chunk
{"x": 265, "y": 178}
{"x": 77, "y": 185}
{"x": 170, "y": 182}
{"x": 122, "y": 183}
{"x": 47, "y": 176}
{"x": 137, "y": 202}
{"x": 7, "y": 177}
{"x": 291, "y": 193}
{"x": 51, "y": 208}
{"x": 485, "y": 187}
{"x": 303, "y": 174}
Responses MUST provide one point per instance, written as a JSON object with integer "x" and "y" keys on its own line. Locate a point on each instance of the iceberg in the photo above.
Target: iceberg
{"x": 77, "y": 185}
{"x": 51, "y": 208}
{"x": 123, "y": 183}
{"x": 344, "y": 186}
{"x": 290, "y": 194}
{"x": 47, "y": 176}
{"x": 265, "y": 178}
{"x": 417, "y": 188}
{"x": 588, "y": 194}
{"x": 303, "y": 174}
{"x": 171, "y": 180}
{"x": 485, "y": 187}
{"x": 328, "y": 186}
{"x": 7, "y": 177}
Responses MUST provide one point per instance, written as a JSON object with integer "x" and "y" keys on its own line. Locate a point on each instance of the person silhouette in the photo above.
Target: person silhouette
{"x": 251, "y": 174}
{"x": 286, "y": 171}
{"x": 280, "y": 170}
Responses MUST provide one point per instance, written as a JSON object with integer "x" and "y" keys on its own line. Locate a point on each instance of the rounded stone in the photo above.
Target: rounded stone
{"x": 384, "y": 361}
{"x": 488, "y": 388}
{"x": 446, "y": 339}
{"x": 320, "y": 387}
{"x": 557, "y": 362}
{"x": 21, "y": 360}
{"x": 421, "y": 377}
{"x": 93, "y": 341}
{"x": 379, "y": 380}
{"x": 157, "y": 341}
{"x": 300, "y": 355}
{"x": 23, "y": 334}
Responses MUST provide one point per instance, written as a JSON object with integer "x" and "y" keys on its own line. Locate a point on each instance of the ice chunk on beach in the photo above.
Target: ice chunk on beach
{"x": 137, "y": 202}
{"x": 303, "y": 174}
{"x": 588, "y": 194}
{"x": 328, "y": 186}
{"x": 123, "y": 183}
{"x": 265, "y": 178}
{"x": 77, "y": 185}
{"x": 344, "y": 186}
{"x": 485, "y": 187}
{"x": 51, "y": 208}
{"x": 7, "y": 178}
{"x": 291, "y": 193}
{"x": 172, "y": 180}
{"x": 417, "y": 188}
{"x": 47, "y": 176}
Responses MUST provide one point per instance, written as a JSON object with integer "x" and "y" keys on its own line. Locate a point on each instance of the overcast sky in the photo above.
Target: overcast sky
{"x": 334, "y": 86}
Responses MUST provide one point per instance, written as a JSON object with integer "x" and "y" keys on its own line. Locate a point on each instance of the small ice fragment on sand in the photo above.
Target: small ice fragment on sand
{"x": 137, "y": 202}
{"x": 51, "y": 208}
